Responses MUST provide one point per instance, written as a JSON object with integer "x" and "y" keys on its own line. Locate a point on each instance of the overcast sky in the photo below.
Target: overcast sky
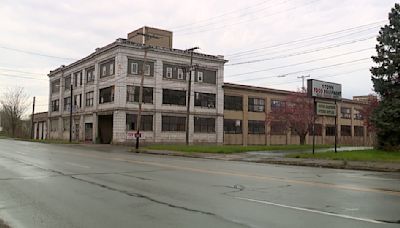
{"x": 267, "y": 42}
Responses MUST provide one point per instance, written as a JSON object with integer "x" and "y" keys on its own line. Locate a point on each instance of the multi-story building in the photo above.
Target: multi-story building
{"x": 246, "y": 109}
{"x": 105, "y": 93}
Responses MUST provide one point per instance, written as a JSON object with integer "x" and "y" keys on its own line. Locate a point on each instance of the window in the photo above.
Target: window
{"x": 107, "y": 68}
{"x": 256, "y": 127}
{"x": 276, "y": 105}
{"x": 147, "y": 70}
{"x": 345, "y": 113}
{"x": 318, "y": 130}
{"x": 233, "y": 103}
{"x": 206, "y": 76}
{"x": 54, "y": 125}
{"x": 345, "y": 130}
{"x": 89, "y": 99}
{"x": 169, "y": 72}
{"x": 204, "y": 125}
{"x": 256, "y": 104}
{"x": 66, "y": 124}
{"x": 106, "y": 95}
{"x": 90, "y": 74}
{"x": 174, "y": 97}
{"x": 204, "y": 100}
{"x": 278, "y": 128}
{"x": 359, "y": 131}
{"x": 145, "y": 120}
{"x": 330, "y": 130}
{"x": 199, "y": 76}
{"x": 67, "y": 103}
{"x": 55, "y": 86}
{"x": 132, "y": 94}
{"x": 77, "y": 101}
{"x": 232, "y": 126}
{"x": 67, "y": 82}
{"x": 358, "y": 115}
{"x": 55, "y": 105}
{"x": 173, "y": 123}
{"x": 134, "y": 68}
{"x": 180, "y": 73}
{"x": 77, "y": 78}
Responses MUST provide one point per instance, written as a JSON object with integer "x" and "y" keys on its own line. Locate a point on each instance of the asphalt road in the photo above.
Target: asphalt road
{"x": 44, "y": 185}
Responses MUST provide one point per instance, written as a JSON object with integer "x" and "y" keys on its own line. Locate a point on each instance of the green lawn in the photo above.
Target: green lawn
{"x": 355, "y": 155}
{"x": 227, "y": 149}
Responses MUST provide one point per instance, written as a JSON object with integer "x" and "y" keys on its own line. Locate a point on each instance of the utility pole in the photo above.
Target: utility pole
{"x": 70, "y": 112}
{"x": 303, "y": 77}
{"x": 33, "y": 114}
{"x": 139, "y": 116}
{"x": 191, "y": 50}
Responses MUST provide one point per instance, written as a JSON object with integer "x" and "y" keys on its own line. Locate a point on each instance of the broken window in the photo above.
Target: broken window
{"x": 204, "y": 125}
{"x": 233, "y": 103}
{"x": 204, "y": 100}
{"x": 89, "y": 99}
{"x": 232, "y": 126}
{"x": 358, "y": 115}
{"x": 106, "y": 95}
{"x": 90, "y": 74}
{"x": 173, "y": 123}
{"x": 107, "y": 68}
{"x": 77, "y": 101}
{"x": 67, "y": 103}
{"x": 132, "y": 94}
{"x": 278, "y": 128}
{"x": 55, "y": 86}
{"x": 330, "y": 130}
{"x": 67, "y": 82}
{"x": 345, "y": 130}
{"x": 145, "y": 120}
{"x": 345, "y": 113}
{"x": 55, "y": 105}
{"x": 256, "y": 105}
{"x": 359, "y": 131}
{"x": 174, "y": 97}
{"x": 206, "y": 76}
{"x": 77, "y": 78}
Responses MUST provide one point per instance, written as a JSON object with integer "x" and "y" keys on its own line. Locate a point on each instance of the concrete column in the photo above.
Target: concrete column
{"x": 119, "y": 127}
{"x": 95, "y": 128}
{"x": 157, "y": 100}
{"x": 268, "y": 125}
{"x": 219, "y": 128}
{"x": 352, "y": 126}
{"x": 157, "y": 127}
{"x": 82, "y": 128}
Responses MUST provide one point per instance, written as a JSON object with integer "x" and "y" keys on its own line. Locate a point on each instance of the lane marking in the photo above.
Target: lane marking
{"x": 311, "y": 210}
{"x": 77, "y": 165}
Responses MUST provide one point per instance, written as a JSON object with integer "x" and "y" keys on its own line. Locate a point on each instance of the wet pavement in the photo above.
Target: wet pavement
{"x": 43, "y": 185}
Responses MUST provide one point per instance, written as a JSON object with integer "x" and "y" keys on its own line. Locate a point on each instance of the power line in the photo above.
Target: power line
{"x": 36, "y": 53}
{"x": 17, "y": 76}
{"x": 18, "y": 71}
{"x": 308, "y": 70}
{"x": 303, "y": 52}
{"x": 301, "y": 63}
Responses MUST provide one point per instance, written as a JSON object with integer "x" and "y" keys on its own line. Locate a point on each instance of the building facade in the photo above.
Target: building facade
{"x": 40, "y": 125}
{"x": 246, "y": 109}
{"x": 105, "y": 94}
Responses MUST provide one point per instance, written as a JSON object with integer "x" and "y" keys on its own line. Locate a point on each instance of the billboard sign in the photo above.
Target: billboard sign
{"x": 326, "y": 109}
{"x": 322, "y": 89}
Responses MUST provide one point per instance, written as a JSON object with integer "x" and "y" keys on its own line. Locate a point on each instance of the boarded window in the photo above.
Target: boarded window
{"x": 55, "y": 86}
{"x": 345, "y": 130}
{"x": 232, "y": 126}
{"x": 89, "y": 98}
{"x": 359, "y": 131}
{"x": 106, "y": 95}
{"x": 256, "y": 127}
{"x": 54, "y": 125}
{"x": 256, "y": 104}
{"x": 173, "y": 123}
{"x": 55, "y": 105}
{"x": 107, "y": 68}
{"x": 204, "y": 100}
{"x": 233, "y": 103}
{"x": 330, "y": 130}
{"x": 66, "y": 124}
{"x": 90, "y": 74}
{"x": 174, "y": 97}
{"x": 345, "y": 113}
{"x": 204, "y": 125}
{"x": 172, "y": 71}
{"x": 133, "y": 92}
{"x": 145, "y": 120}
{"x": 278, "y": 128}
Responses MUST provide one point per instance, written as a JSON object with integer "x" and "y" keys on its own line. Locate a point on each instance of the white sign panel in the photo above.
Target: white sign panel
{"x": 323, "y": 89}
{"x": 130, "y": 134}
{"x": 326, "y": 109}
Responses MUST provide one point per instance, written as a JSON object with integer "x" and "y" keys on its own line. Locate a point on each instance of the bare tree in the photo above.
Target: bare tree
{"x": 14, "y": 103}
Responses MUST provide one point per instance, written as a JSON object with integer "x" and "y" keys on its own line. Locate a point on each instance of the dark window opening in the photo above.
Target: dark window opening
{"x": 106, "y": 95}
{"x": 256, "y": 127}
{"x": 256, "y": 104}
{"x": 173, "y": 123}
{"x": 132, "y": 94}
{"x": 204, "y": 100}
{"x": 205, "y": 125}
{"x": 146, "y": 122}
{"x": 232, "y": 126}
{"x": 233, "y": 103}
{"x": 174, "y": 97}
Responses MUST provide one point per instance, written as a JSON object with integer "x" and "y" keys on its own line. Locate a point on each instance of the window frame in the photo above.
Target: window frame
{"x": 204, "y": 124}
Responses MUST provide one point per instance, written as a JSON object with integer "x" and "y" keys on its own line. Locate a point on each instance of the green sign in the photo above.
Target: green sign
{"x": 326, "y": 109}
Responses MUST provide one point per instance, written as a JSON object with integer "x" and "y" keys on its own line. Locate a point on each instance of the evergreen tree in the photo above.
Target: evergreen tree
{"x": 386, "y": 80}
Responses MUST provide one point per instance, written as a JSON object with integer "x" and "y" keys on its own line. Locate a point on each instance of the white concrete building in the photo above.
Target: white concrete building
{"x": 106, "y": 90}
